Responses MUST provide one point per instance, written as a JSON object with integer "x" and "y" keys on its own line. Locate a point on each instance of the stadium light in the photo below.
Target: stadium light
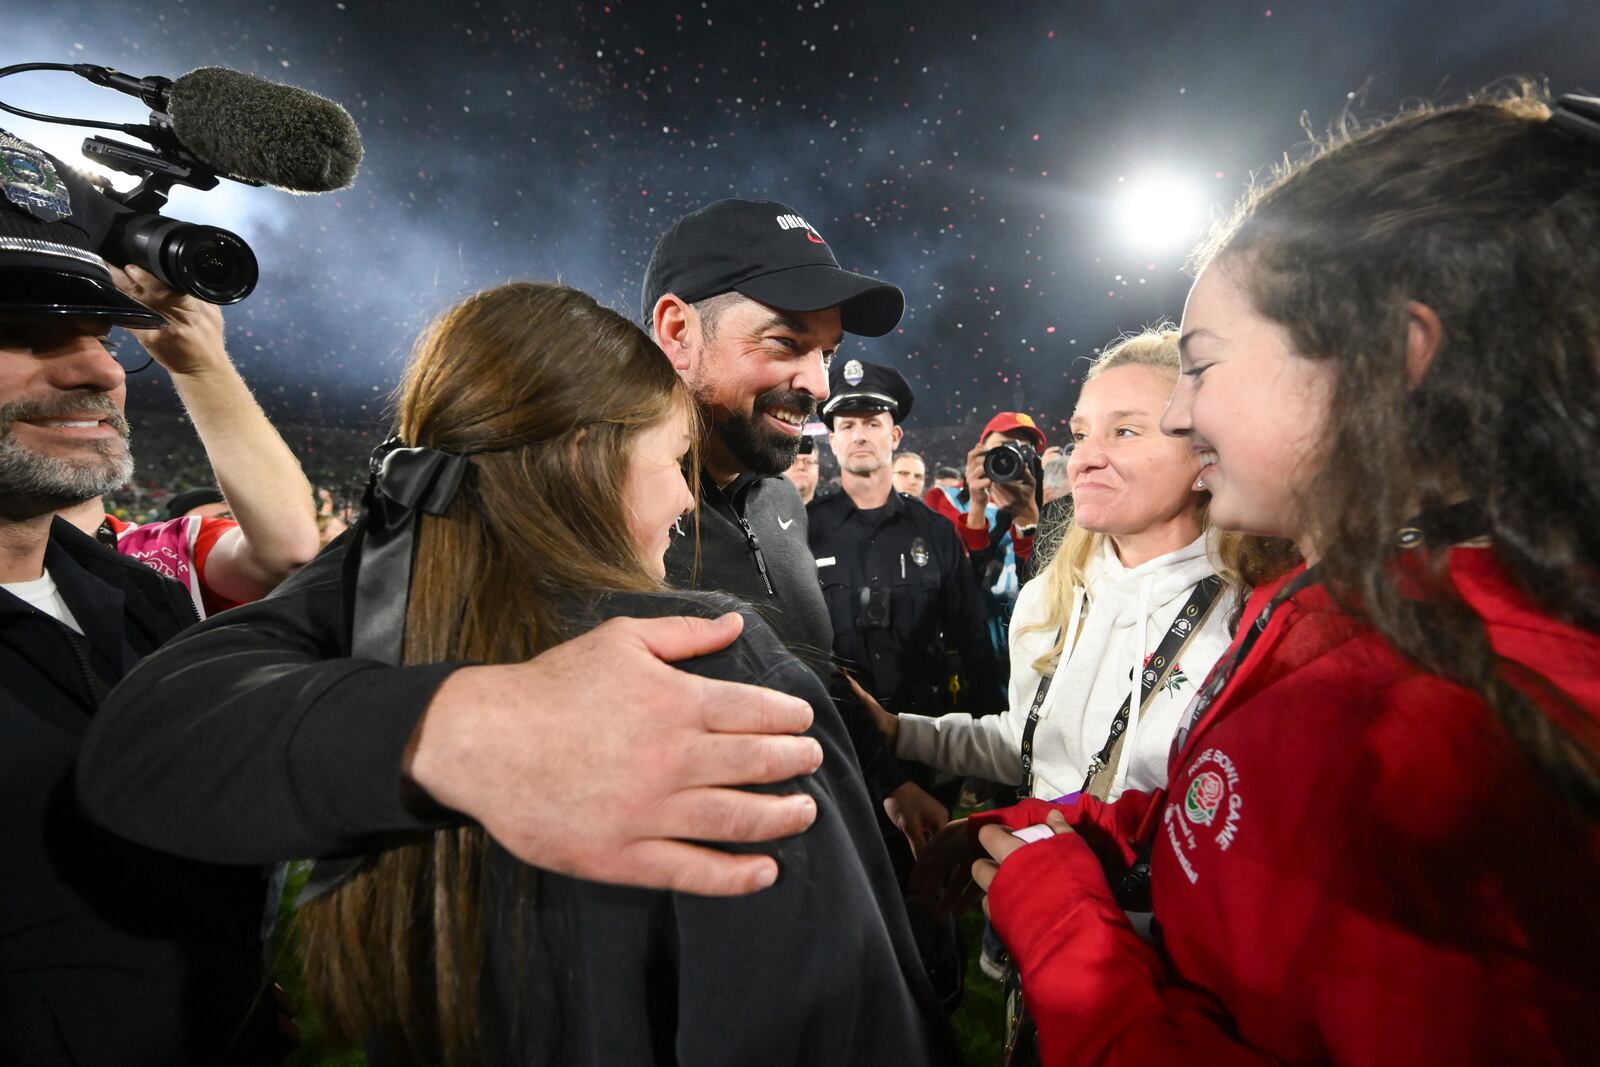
{"x": 1158, "y": 212}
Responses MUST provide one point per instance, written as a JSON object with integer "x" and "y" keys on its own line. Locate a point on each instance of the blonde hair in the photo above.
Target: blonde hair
{"x": 1239, "y": 560}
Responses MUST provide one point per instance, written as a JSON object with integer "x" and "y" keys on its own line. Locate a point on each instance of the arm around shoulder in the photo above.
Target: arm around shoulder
{"x": 254, "y": 738}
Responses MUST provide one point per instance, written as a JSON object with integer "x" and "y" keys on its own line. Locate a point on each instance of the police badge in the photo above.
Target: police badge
{"x": 919, "y": 552}
{"x": 29, "y": 180}
{"x": 854, "y": 372}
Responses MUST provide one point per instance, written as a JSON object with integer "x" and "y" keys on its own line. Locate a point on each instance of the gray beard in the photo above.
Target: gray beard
{"x": 32, "y": 485}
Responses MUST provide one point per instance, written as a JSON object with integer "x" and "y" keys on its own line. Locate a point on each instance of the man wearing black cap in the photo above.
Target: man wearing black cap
{"x": 748, "y": 302}
{"x": 109, "y": 953}
{"x": 897, "y": 581}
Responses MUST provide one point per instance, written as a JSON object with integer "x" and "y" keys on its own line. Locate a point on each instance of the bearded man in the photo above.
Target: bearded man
{"x": 748, "y": 302}
{"x": 110, "y": 953}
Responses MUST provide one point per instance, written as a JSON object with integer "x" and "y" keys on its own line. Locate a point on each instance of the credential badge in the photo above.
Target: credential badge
{"x": 919, "y": 552}
{"x": 854, "y": 372}
{"x": 30, "y": 181}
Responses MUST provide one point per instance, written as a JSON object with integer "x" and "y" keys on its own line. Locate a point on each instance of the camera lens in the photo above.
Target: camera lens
{"x": 204, "y": 261}
{"x": 1003, "y": 464}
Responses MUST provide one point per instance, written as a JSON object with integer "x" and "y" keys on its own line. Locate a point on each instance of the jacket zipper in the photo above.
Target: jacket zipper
{"x": 91, "y": 681}
{"x": 755, "y": 550}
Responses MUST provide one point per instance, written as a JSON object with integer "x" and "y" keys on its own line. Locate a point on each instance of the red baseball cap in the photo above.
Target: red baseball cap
{"x": 1014, "y": 422}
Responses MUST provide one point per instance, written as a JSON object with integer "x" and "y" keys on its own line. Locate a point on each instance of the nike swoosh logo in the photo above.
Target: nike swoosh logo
{"x": 784, "y": 524}
{"x": 814, "y": 239}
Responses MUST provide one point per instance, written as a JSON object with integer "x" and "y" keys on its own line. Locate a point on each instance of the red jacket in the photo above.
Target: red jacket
{"x": 1352, "y": 865}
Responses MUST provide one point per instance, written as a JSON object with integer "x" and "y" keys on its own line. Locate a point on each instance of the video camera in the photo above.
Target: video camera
{"x": 209, "y": 124}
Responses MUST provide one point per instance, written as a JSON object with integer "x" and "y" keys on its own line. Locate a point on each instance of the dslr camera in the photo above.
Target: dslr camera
{"x": 1009, "y": 461}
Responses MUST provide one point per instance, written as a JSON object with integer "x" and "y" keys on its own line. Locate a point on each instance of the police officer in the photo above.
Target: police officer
{"x": 896, "y": 579}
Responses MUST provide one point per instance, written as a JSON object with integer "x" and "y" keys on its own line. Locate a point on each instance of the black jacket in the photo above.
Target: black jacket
{"x": 294, "y": 751}
{"x": 820, "y": 969}
{"x": 252, "y": 739}
{"x": 902, "y": 597}
{"x": 109, "y": 953}
{"x": 720, "y": 555}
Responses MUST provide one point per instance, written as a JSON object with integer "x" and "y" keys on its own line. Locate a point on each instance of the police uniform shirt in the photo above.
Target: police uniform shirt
{"x": 901, "y": 593}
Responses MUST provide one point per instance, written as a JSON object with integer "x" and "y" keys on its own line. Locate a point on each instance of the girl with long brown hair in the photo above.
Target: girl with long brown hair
{"x": 551, "y": 438}
{"x": 1381, "y": 838}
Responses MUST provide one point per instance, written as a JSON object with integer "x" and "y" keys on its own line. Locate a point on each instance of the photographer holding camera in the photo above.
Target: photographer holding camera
{"x": 997, "y": 513}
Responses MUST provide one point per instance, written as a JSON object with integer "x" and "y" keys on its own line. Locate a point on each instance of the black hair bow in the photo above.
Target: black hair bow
{"x": 405, "y": 483}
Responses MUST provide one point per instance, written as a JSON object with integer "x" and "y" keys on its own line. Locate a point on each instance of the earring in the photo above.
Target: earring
{"x": 1199, "y": 485}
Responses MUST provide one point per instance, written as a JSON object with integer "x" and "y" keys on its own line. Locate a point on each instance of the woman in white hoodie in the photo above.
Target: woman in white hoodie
{"x": 1129, "y": 568}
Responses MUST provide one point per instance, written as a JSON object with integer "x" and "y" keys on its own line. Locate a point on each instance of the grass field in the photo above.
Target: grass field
{"x": 980, "y": 1021}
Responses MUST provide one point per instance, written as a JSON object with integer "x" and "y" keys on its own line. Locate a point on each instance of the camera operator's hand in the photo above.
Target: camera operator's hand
{"x": 596, "y": 759}
{"x": 192, "y": 341}
{"x": 978, "y": 489}
{"x": 260, "y": 477}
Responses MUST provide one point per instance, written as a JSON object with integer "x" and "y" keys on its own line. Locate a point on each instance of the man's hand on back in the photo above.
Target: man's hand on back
{"x": 596, "y": 759}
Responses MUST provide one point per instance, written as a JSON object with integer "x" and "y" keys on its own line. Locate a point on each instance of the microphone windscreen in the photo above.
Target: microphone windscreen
{"x": 248, "y": 127}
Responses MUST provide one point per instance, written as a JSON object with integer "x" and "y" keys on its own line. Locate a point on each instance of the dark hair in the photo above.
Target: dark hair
{"x": 546, "y": 390}
{"x": 711, "y": 310}
{"x": 1489, "y": 215}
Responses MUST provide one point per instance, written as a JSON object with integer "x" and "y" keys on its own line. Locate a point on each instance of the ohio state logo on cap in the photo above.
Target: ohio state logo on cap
{"x": 795, "y": 222}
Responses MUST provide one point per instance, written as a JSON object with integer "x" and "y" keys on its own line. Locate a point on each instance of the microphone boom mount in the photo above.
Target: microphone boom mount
{"x": 205, "y": 261}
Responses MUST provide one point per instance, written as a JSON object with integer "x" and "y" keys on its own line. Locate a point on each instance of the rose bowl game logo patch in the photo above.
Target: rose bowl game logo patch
{"x": 1204, "y": 797}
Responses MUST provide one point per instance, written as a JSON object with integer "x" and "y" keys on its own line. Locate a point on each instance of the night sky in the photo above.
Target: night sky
{"x": 1031, "y": 174}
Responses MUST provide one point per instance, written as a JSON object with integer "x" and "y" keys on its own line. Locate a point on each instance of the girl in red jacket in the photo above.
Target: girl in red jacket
{"x": 1379, "y": 843}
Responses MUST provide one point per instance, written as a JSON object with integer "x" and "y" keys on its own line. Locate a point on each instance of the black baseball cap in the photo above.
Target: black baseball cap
{"x": 52, "y": 220}
{"x": 856, "y": 385}
{"x": 766, "y": 251}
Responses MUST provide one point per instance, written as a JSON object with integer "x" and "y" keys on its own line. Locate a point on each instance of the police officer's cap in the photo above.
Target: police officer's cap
{"x": 51, "y": 223}
{"x": 856, "y": 385}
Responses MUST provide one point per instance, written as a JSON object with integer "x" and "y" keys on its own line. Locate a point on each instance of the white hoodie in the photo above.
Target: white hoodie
{"x": 1118, "y": 624}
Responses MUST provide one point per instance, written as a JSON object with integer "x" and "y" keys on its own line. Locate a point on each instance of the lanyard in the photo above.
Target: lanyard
{"x": 1190, "y": 618}
{"x": 1223, "y": 672}
{"x": 1133, "y": 889}
{"x": 1188, "y": 622}
{"x": 1451, "y": 524}
{"x": 1033, "y": 723}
